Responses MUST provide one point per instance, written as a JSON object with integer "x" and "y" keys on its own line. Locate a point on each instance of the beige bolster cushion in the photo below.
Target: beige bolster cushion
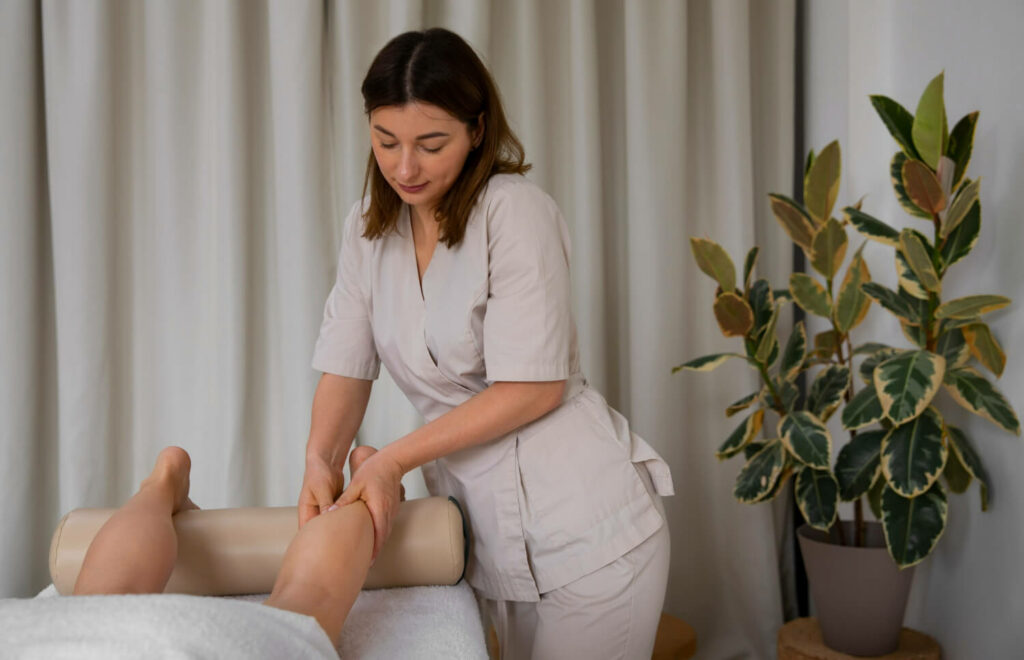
{"x": 239, "y": 551}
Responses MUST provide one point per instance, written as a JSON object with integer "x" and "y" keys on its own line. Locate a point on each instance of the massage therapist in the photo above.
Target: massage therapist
{"x": 454, "y": 271}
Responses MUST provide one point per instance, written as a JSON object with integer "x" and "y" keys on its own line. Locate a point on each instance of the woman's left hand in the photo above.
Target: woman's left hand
{"x": 378, "y": 483}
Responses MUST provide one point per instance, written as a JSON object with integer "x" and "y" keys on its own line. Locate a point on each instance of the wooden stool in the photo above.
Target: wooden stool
{"x": 800, "y": 639}
{"x": 676, "y": 639}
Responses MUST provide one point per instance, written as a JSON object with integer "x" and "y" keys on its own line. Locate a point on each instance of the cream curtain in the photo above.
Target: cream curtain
{"x": 171, "y": 175}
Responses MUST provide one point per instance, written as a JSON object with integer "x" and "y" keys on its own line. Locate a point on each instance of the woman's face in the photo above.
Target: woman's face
{"x": 420, "y": 149}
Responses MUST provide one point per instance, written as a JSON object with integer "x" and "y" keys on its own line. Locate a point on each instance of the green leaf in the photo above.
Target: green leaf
{"x": 957, "y": 477}
{"x": 762, "y": 303}
{"x": 807, "y": 438}
{"x": 748, "y": 265}
{"x": 817, "y": 495}
{"x": 821, "y": 185}
{"x": 741, "y": 435}
{"x": 810, "y": 294}
{"x": 788, "y": 392}
{"x": 929, "y": 121}
{"x": 913, "y": 526}
{"x": 867, "y": 367}
{"x": 794, "y": 219}
{"x": 892, "y": 301}
{"x": 858, "y": 464}
{"x": 758, "y": 476}
{"x": 961, "y": 139}
{"x": 923, "y": 187}
{"x": 898, "y": 120}
{"x": 768, "y": 347}
{"x": 780, "y": 483}
{"x": 972, "y": 391}
{"x": 871, "y": 227}
{"x": 707, "y": 362}
{"x": 808, "y": 162}
{"x": 853, "y": 304}
{"x": 735, "y": 318}
{"x": 795, "y": 352}
{"x": 984, "y": 347}
{"x": 913, "y": 454}
{"x": 961, "y": 239}
{"x": 907, "y": 382}
{"x": 782, "y": 294}
{"x": 828, "y": 248}
{"x": 827, "y": 391}
{"x": 971, "y": 306}
{"x": 951, "y": 345}
{"x": 742, "y": 404}
{"x": 920, "y": 261}
{"x": 826, "y": 343}
{"x": 962, "y": 203}
{"x": 863, "y": 409}
{"x": 715, "y": 262}
{"x": 915, "y": 334}
{"x": 869, "y": 348}
{"x": 875, "y": 495}
{"x": 908, "y": 280}
{"x": 896, "y": 177}
{"x": 969, "y": 458}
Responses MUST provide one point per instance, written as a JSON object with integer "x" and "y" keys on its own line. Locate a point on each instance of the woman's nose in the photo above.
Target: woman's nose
{"x": 408, "y": 167}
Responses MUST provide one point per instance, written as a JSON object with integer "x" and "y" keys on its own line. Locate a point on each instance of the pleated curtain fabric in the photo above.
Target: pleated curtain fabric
{"x": 172, "y": 182}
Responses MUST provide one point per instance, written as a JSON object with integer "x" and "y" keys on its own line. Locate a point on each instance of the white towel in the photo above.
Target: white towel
{"x": 418, "y": 623}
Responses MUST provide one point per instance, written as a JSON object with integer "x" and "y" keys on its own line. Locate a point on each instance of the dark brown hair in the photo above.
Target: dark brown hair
{"x": 438, "y": 67}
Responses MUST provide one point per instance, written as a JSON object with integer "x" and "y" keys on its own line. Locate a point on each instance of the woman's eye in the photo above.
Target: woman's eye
{"x": 431, "y": 151}
{"x": 388, "y": 146}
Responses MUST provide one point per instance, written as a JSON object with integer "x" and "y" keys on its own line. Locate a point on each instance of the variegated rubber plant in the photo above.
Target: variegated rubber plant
{"x": 900, "y": 444}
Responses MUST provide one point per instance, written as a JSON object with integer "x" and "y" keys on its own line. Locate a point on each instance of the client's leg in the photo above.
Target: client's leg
{"x": 326, "y": 564}
{"x": 135, "y": 550}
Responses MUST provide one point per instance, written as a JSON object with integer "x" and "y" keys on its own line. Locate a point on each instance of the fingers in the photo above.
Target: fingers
{"x": 307, "y": 512}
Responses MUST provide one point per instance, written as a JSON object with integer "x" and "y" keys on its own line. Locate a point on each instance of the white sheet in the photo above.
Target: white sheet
{"x": 419, "y": 623}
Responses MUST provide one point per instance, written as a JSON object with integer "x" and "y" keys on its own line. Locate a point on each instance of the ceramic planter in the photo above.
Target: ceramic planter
{"x": 859, "y": 593}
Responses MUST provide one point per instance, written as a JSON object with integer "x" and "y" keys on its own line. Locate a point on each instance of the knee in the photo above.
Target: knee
{"x": 358, "y": 455}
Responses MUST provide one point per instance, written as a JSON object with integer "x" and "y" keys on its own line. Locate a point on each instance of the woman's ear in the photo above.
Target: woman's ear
{"x": 478, "y": 131}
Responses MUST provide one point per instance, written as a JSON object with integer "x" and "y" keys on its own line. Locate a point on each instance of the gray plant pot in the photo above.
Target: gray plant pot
{"x": 859, "y": 593}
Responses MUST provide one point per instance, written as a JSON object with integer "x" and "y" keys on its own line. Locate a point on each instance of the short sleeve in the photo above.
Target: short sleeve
{"x": 528, "y": 321}
{"x": 345, "y": 346}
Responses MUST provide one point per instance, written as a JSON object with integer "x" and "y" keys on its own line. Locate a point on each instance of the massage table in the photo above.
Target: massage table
{"x": 414, "y": 604}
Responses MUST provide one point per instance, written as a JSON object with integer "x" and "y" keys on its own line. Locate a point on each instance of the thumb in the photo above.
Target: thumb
{"x": 348, "y": 497}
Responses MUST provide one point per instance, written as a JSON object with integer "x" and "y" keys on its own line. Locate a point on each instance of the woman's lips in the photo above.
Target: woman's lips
{"x": 413, "y": 189}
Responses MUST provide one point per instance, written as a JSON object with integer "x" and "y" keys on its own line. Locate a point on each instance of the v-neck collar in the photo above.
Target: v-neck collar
{"x": 419, "y": 281}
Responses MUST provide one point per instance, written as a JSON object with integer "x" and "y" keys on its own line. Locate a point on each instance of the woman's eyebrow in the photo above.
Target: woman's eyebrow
{"x": 425, "y": 136}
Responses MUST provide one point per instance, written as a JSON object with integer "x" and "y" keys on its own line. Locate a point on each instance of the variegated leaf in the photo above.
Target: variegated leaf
{"x": 742, "y": 404}
{"x": 863, "y": 409}
{"x": 875, "y": 495}
{"x": 915, "y": 334}
{"x": 817, "y": 495}
{"x": 768, "y": 346}
{"x": 741, "y": 435}
{"x": 880, "y": 355}
{"x": 858, "y": 464}
{"x": 760, "y": 473}
{"x": 920, "y": 261}
{"x": 961, "y": 240}
{"x": 961, "y": 446}
{"x": 892, "y": 301}
{"x": 929, "y": 123}
{"x": 913, "y": 525}
{"x": 896, "y": 176}
{"x": 821, "y": 185}
{"x": 827, "y": 391}
{"x": 793, "y": 355}
{"x": 852, "y": 305}
{"x": 984, "y": 347}
{"x": 867, "y": 348}
{"x": 828, "y": 249}
{"x": 951, "y": 345}
{"x": 971, "y": 306}
{"x": 788, "y": 467}
{"x": 826, "y": 343}
{"x": 898, "y": 120}
{"x": 707, "y": 362}
{"x": 913, "y": 454}
{"x": 794, "y": 219}
{"x": 907, "y": 278}
{"x": 715, "y": 262}
{"x": 807, "y": 438}
{"x": 972, "y": 391}
{"x": 907, "y": 382}
{"x": 735, "y": 318}
{"x": 762, "y": 303}
{"x": 962, "y": 203}
{"x": 810, "y": 294}
{"x": 871, "y": 227}
{"x": 748, "y": 266}
{"x": 923, "y": 187}
{"x": 961, "y": 139}
{"x": 957, "y": 477}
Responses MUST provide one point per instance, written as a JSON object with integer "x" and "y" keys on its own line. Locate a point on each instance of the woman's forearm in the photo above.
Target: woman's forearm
{"x": 502, "y": 407}
{"x": 338, "y": 408}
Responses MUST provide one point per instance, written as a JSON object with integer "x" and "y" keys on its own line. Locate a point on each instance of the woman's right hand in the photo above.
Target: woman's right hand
{"x": 322, "y": 483}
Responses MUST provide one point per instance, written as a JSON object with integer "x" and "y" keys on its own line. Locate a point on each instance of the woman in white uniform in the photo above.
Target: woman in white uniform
{"x": 454, "y": 272}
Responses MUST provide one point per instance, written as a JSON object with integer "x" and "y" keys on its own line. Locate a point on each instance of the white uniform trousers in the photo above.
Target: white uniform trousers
{"x": 609, "y": 614}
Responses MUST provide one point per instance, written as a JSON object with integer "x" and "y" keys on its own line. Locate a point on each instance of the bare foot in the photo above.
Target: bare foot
{"x": 172, "y": 468}
{"x": 360, "y": 454}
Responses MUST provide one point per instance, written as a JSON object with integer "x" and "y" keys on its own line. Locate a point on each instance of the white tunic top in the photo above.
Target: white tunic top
{"x": 555, "y": 499}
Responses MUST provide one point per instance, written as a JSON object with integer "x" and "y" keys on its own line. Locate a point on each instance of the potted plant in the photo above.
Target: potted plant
{"x": 900, "y": 447}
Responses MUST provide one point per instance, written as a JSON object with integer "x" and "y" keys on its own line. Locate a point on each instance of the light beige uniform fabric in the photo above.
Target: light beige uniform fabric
{"x": 555, "y": 499}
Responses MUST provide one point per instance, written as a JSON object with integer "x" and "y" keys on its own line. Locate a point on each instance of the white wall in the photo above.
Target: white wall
{"x": 970, "y": 593}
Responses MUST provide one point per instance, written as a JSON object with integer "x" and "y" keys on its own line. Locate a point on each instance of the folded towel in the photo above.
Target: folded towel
{"x": 416, "y": 623}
